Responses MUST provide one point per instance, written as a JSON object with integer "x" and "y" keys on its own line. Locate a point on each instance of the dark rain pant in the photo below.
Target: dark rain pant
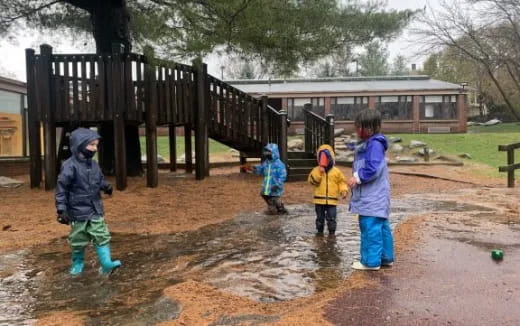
{"x": 274, "y": 204}
{"x": 325, "y": 212}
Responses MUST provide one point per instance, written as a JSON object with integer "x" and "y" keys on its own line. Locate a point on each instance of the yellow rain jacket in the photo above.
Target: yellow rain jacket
{"x": 329, "y": 185}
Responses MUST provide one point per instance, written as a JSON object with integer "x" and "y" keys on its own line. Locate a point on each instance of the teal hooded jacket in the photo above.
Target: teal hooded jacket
{"x": 273, "y": 171}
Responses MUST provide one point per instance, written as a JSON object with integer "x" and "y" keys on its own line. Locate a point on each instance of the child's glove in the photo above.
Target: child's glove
{"x": 63, "y": 217}
{"x": 247, "y": 168}
{"x": 275, "y": 188}
{"x": 109, "y": 190}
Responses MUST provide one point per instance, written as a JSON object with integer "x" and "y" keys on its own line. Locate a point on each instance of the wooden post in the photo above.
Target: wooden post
{"x": 282, "y": 146}
{"x": 416, "y": 114}
{"x": 330, "y": 129}
{"x": 461, "y": 112}
{"x": 307, "y": 128}
{"x": 173, "y": 147}
{"x": 511, "y": 172}
{"x": 327, "y": 104}
{"x": 265, "y": 122}
{"x": 371, "y": 102}
{"x": 187, "y": 147}
{"x": 201, "y": 121}
{"x": 119, "y": 121}
{"x": 45, "y": 88}
{"x": 243, "y": 161}
{"x": 33, "y": 120}
{"x": 152, "y": 177}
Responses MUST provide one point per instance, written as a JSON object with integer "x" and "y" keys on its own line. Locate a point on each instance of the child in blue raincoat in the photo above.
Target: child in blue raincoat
{"x": 370, "y": 187}
{"x": 274, "y": 172}
{"x": 78, "y": 202}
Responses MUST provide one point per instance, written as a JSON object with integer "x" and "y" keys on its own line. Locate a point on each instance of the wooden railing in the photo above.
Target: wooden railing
{"x": 127, "y": 90}
{"x": 318, "y": 130}
{"x": 511, "y": 166}
{"x": 236, "y": 117}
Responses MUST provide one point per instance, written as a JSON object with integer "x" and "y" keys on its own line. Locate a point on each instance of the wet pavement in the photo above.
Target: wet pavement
{"x": 448, "y": 279}
{"x": 265, "y": 258}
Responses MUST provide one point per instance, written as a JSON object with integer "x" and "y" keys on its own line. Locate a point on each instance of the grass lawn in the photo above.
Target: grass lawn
{"x": 163, "y": 147}
{"x": 480, "y": 142}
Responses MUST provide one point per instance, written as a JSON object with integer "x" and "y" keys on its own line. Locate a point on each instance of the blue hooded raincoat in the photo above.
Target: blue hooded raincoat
{"x": 80, "y": 180}
{"x": 274, "y": 172}
{"x": 372, "y": 196}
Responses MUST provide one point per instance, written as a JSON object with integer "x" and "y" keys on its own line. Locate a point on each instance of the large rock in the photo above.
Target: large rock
{"x": 406, "y": 159}
{"x": 465, "y": 155}
{"x": 338, "y": 132}
{"x": 396, "y": 148}
{"x": 492, "y": 122}
{"x": 416, "y": 143}
{"x": 6, "y": 182}
{"x": 340, "y": 147}
{"x": 295, "y": 144}
{"x": 393, "y": 139}
{"x": 422, "y": 151}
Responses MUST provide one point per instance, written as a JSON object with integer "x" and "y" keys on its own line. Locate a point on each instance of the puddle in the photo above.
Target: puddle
{"x": 265, "y": 258}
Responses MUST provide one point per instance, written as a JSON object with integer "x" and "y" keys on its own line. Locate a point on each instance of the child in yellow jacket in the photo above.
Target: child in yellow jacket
{"x": 330, "y": 184}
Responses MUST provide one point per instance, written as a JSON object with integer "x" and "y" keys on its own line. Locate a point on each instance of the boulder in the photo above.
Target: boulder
{"x": 294, "y": 144}
{"x": 340, "y": 147}
{"x": 422, "y": 151}
{"x": 396, "y": 148}
{"x": 491, "y": 122}
{"x": 416, "y": 143}
{"x": 393, "y": 139}
{"x": 338, "y": 132}
{"x": 6, "y": 182}
{"x": 406, "y": 159}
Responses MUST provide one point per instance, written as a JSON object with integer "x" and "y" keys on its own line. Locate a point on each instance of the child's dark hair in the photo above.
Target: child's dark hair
{"x": 369, "y": 119}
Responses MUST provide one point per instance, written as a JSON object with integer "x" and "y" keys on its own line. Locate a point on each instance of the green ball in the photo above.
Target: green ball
{"x": 497, "y": 254}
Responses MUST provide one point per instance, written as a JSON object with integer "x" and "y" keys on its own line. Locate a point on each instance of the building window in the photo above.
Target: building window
{"x": 438, "y": 107}
{"x": 295, "y": 108}
{"x": 346, "y": 108}
{"x": 10, "y": 102}
{"x": 395, "y": 107}
{"x": 318, "y": 106}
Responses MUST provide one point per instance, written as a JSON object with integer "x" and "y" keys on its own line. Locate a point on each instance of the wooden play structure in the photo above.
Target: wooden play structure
{"x": 70, "y": 90}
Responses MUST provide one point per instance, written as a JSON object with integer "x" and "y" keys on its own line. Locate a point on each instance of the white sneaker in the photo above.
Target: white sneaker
{"x": 357, "y": 265}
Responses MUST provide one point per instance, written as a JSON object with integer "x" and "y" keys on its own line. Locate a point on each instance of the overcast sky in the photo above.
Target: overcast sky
{"x": 12, "y": 56}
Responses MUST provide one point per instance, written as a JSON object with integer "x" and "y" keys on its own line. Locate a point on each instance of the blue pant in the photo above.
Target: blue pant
{"x": 377, "y": 244}
{"x": 325, "y": 212}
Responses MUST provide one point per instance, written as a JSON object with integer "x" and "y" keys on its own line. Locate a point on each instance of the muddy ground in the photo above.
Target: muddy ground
{"x": 450, "y": 245}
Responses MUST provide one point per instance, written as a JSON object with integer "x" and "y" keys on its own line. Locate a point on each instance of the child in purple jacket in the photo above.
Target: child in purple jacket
{"x": 370, "y": 197}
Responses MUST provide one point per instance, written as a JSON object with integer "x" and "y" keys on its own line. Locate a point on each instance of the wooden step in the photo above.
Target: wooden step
{"x": 296, "y": 177}
{"x": 302, "y": 162}
{"x": 300, "y": 155}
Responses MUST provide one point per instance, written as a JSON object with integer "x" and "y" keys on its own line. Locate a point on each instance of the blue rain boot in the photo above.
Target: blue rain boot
{"x": 107, "y": 265}
{"x": 78, "y": 256}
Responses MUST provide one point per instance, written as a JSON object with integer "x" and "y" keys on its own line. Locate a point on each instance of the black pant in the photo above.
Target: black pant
{"x": 325, "y": 212}
{"x": 274, "y": 204}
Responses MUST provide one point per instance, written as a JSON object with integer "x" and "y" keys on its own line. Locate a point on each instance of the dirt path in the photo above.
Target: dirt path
{"x": 182, "y": 204}
{"x": 448, "y": 276}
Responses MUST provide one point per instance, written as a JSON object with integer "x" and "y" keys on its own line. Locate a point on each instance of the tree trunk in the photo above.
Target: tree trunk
{"x": 110, "y": 25}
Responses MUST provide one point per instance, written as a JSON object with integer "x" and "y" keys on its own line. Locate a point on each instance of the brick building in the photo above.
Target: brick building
{"x": 409, "y": 104}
